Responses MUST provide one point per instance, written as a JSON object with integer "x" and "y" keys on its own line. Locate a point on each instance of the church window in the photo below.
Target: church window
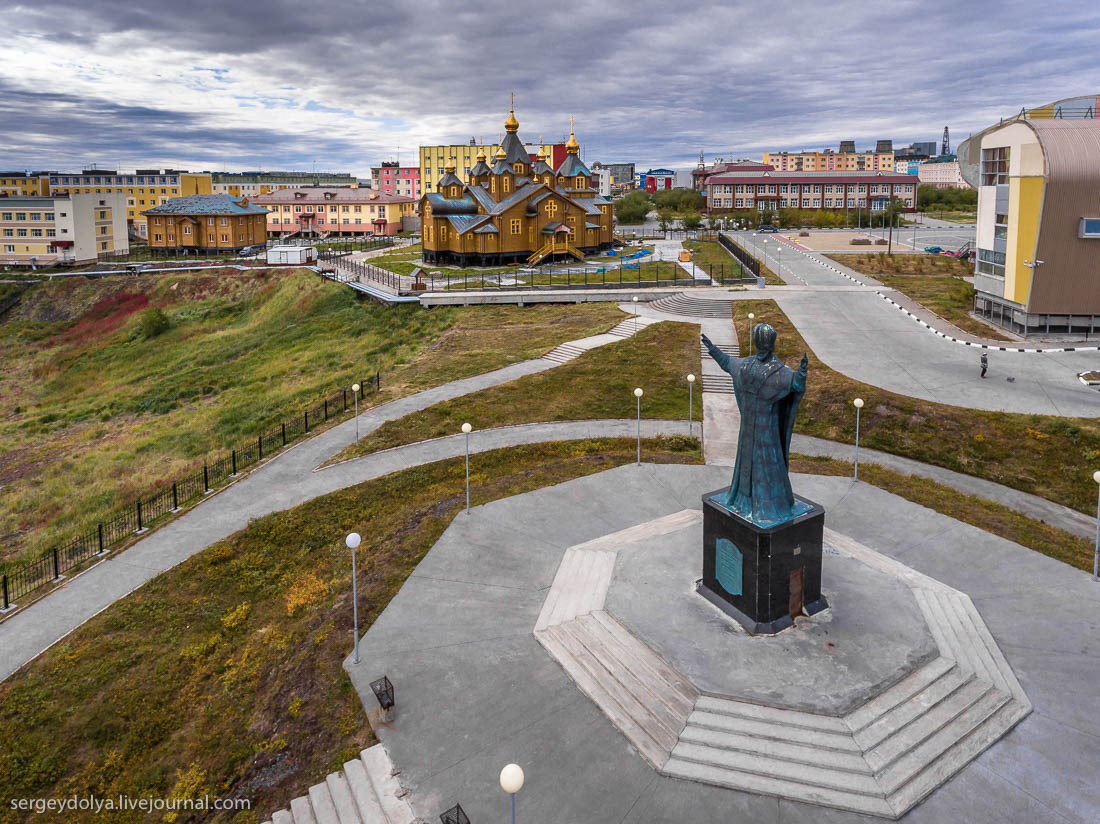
{"x": 454, "y": 191}
{"x": 515, "y": 226}
{"x": 442, "y": 233}
{"x": 580, "y": 181}
{"x": 517, "y": 168}
{"x": 507, "y": 183}
{"x": 429, "y": 234}
{"x": 551, "y": 208}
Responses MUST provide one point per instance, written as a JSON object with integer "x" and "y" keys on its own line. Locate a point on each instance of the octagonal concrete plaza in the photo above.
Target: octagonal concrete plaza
{"x": 476, "y": 690}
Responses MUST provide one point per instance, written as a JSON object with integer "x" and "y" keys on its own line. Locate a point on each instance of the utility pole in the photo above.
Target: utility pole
{"x": 890, "y": 243}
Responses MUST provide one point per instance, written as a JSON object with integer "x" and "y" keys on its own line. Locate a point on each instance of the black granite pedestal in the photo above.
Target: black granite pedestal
{"x": 763, "y": 577}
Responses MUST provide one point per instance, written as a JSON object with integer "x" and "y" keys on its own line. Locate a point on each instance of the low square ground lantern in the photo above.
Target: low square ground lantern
{"x": 763, "y": 577}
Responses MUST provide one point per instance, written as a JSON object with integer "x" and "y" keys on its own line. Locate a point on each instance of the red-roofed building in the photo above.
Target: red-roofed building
{"x": 772, "y": 190}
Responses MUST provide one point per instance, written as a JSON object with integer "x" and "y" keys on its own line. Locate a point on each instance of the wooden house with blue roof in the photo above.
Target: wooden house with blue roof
{"x": 517, "y": 210}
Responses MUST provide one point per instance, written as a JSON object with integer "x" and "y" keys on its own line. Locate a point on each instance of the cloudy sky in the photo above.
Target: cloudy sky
{"x": 344, "y": 84}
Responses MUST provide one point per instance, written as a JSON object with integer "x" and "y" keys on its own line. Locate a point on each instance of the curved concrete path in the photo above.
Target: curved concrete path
{"x": 856, "y": 331}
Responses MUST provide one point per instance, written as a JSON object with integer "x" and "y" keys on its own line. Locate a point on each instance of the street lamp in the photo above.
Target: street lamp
{"x": 858, "y": 404}
{"x": 638, "y": 394}
{"x": 511, "y": 781}
{"x": 355, "y": 391}
{"x": 1096, "y": 552}
{"x": 635, "y": 301}
{"x": 466, "y": 430}
{"x": 755, "y": 251}
{"x": 353, "y": 540}
{"x": 691, "y": 399}
{"x": 751, "y": 318}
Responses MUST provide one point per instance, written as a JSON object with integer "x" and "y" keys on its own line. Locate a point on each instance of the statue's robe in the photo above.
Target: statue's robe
{"x": 768, "y": 394}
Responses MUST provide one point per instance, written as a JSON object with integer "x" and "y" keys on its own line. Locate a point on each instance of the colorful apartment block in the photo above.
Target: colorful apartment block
{"x": 62, "y": 229}
{"x": 393, "y": 179}
{"x": 656, "y": 179}
{"x": 207, "y": 224}
{"x": 463, "y": 156}
{"x": 334, "y": 212}
{"x": 943, "y": 172}
{"x": 769, "y": 191}
{"x": 24, "y": 184}
{"x": 250, "y": 184}
{"x": 143, "y": 189}
{"x": 847, "y": 159}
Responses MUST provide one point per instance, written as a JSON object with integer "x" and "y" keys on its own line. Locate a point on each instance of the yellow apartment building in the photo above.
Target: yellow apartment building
{"x": 847, "y": 159}
{"x": 250, "y": 184}
{"x": 24, "y": 184}
{"x": 143, "y": 190}
{"x": 463, "y": 156}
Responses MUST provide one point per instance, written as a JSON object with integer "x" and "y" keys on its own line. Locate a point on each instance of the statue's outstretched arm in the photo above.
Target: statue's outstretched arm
{"x": 720, "y": 357}
{"x": 799, "y": 382}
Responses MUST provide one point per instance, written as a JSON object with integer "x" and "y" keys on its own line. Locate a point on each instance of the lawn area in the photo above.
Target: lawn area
{"x": 987, "y": 515}
{"x": 709, "y": 256}
{"x": 597, "y": 385}
{"x": 933, "y": 281}
{"x": 92, "y": 411}
{"x": 877, "y": 263}
{"x": 1047, "y": 456}
{"x": 224, "y": 674}
{"x": 954, "y": 217}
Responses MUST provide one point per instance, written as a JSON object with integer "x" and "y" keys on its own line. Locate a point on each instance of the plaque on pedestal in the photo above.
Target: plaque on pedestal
{"x": 762, "y": 576}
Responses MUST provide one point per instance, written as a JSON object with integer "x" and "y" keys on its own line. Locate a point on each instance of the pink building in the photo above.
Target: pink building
{"x": 334, "y": 212}
{"x": 396, "y": 180}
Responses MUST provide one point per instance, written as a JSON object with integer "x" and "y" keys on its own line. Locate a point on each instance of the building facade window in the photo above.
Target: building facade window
{"x": 991, "y": 263}
{"x": 995, "y": 166}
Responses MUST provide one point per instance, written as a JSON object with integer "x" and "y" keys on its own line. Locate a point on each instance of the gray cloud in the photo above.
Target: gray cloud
{"x": 649, "y": 81}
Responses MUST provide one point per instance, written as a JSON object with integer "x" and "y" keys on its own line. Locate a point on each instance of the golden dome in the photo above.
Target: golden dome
{"x": 572, "y": 146}
{"x": 501, "y": 154}
{"x": 511, "y": 124}
{"x": 450, "y": 167}
{"x": 481, "y": 154}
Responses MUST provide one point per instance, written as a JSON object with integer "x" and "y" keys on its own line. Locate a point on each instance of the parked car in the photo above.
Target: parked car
{"x": 246, "y": 251}
{"x": 766, "y": 227}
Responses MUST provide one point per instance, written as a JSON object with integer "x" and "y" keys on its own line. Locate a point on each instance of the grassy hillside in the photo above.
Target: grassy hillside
{"x": 94, "y": 410}
{"x": 223, "y": 675}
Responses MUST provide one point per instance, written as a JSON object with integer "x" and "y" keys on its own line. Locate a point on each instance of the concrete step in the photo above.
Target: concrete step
{"x": 770, "y": 748}
{"x": 635, "y": 677}
{"x": 370, "y": 808}
{"x": 681, "y": 304}
{"x": 895, "y": 721}
{"x": 913, "y": 735}
{"x": 608, "y": 682}
{"x": 920, "y": 756}
{"x": 564, "y": 352}
{"x": 342, "y": 800}
{"x": 650, "y": 659}
{"x": 898, "y": 694}
{"x": 387, "y": 789}
{"x": 302, "y": 811}
{"x": 860, "y": 783}
{"x": 775, "y": 715}
{"x": 770, "y": 785}
{"x": 958, "y": 755}
{"x": 840, "y": 742}
{"x": 324, "y": 810}
{"x": 599, "y": 693}
{"x": 282, "y": 817}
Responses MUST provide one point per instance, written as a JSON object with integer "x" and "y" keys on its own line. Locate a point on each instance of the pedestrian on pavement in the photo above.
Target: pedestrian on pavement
{"x": 985, "y": 363}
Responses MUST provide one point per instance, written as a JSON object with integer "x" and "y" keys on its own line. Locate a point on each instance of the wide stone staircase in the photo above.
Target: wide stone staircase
{"x": 365, "y": 792}
{"x": 682, "y": 304}
{"x": 888, "y": 754}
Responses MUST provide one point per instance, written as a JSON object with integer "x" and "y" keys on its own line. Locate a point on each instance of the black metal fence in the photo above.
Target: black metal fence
{"x": 743, "y": 256}
{"x": 147, "y": 509}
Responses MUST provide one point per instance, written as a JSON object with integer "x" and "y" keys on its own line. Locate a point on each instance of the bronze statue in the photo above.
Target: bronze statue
{"x": 768, "y": 394}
